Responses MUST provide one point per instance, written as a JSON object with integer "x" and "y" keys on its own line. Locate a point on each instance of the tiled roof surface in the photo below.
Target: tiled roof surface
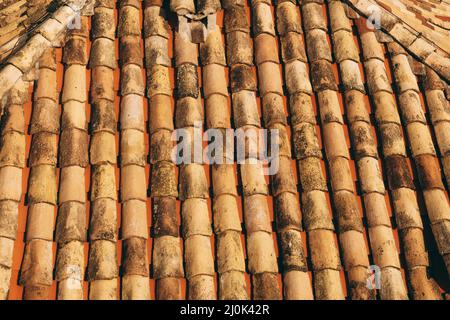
{"x": 93, "y": 207}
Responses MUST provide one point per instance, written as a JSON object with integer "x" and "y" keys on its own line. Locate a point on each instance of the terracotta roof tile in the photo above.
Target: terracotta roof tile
{"x": 93, "y": 205}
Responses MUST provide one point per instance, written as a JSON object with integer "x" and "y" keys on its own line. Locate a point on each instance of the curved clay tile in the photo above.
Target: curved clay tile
{"x": 297, "y": 285}
{"x": 382, "y": 241}
{"x": 167, "y": 257}
{"x": 400, "y": 182}
{"x": 350, "y": 227}
{"x": 262, "y": 262}
{"x": 71, "y": 222}
{"x": 194, "y": 189}
{"x": 207, "y": 7}
{"x": 316, "y": 215}
{"x": 12, "y": 162}
{"x": 227, "y": 224}
{"x": 423, "y": 152}
{"x": 102, "y": 263}
{"x": 135, "y": 265}
{"x": 182, "y": 7}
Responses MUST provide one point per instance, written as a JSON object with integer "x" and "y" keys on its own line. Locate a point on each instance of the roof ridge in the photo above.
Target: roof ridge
{"x": 414, "y": 42}
{"x": 45, "y": 34}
